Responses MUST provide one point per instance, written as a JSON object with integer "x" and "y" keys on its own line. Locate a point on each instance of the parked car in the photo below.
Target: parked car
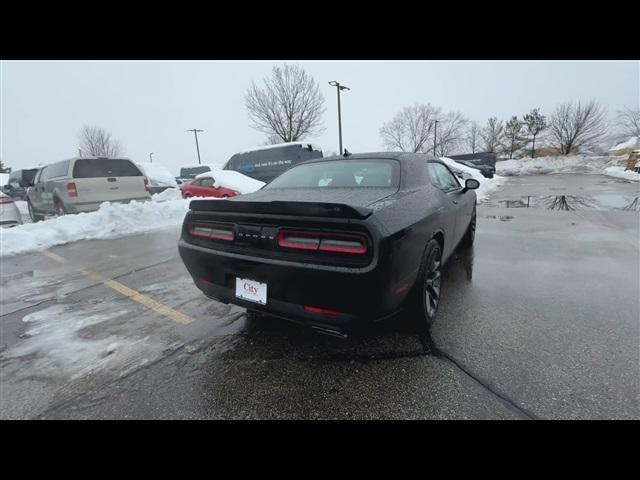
{"x": 266, "y": 163}
{"x": 9, "y": 213}
{"x": 334, "y": 243}
{"x": 189, "y": 173}
{"x": 486, "y": 170}
{"x": 18, "y": 182}
{"x": 220, "y": 183}
{"x": 159, "y": 176}
{"x": 82, "y": 184}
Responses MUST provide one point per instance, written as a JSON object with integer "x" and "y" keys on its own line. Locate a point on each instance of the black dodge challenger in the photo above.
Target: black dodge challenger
{"x": 335, "y": 242}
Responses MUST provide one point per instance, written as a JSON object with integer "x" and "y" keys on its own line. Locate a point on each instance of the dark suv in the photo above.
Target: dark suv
{"x": 18, "y": 182}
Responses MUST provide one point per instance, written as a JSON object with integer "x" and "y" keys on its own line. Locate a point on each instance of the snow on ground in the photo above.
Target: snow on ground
{"x": 233, "y": 180}
{"x": 486, "y": 184}
{"x": 69, "y": 341}
{"x": 619, "y": 172}
{"x": 111, "y": 220}
{"x": 633, "y": 142}
{"x": 561, "y": 164}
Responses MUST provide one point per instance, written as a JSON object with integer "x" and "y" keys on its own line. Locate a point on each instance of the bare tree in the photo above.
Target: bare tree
{"x": 451, "y": 128}
{"x": 97, "y": 142}
{"x": 574, "y": 125}
{"x": 272, "y": 139}
{"x": 628, "y": 122}
{"x": 491, "y": 135}
{"x": 289, "y": 106}
{"x": 513, "y": 139}
{"x": 535, "y": 123}
{"x": 473, "y": 136}
{"x": 410, "y": 130}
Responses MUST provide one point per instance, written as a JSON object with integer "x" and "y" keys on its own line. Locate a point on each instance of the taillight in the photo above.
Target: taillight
{"x": 146, "y": 184}
{"x": 218, "y": 232}
{"x": 72, "y": 191}
{"x": 324, "y": 242}
{"x": 6, "y": 200}
{"x": 320, "y": 311}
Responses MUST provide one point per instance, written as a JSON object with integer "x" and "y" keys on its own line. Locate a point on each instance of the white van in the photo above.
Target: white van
{"x": 82, "y": 184}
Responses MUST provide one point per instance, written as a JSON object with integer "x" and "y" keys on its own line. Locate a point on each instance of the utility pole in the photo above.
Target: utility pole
{"x": 435, "y": 133}
{"x": 339, "y": 87}
{"x": 195, "y": 133}
{"x": 150, "y": 157}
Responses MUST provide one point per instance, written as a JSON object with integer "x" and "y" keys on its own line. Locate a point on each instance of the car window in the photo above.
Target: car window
{"x": 207, "y": 182}
{"x": 195, "y": 182}
{"x": 102, "y": 167}
{"x": 341, "y": 174}
{"x": 59, "y": 169}
{"x": 442, "y": 177}
{"x": 44, "y": 174}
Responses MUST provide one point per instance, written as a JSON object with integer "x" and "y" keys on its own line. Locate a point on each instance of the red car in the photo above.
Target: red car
{"x": 203, "y": 187}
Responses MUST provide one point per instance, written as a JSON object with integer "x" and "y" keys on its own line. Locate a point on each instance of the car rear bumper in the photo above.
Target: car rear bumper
{"x": 357, "y": 297}
{"x": 78, "y": 207}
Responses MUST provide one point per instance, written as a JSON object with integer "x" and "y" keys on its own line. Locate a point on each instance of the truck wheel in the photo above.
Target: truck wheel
{"x": 59, "y": 207}
{"x": 34, "y": 216}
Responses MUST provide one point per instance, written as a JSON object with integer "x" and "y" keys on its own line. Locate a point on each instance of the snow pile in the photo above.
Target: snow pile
{"x": 486, "y": 184}
{"x": 560, "y": 164}
{"x": 633, "y": 142}
{"x": 168, "y": 194}
{"x": 233, "y": 180}
{"x": 158, "y": 175}
{"x": 4, "y": 178}
{"x": 620, "y": 172}
{"x": 111, "y": 220}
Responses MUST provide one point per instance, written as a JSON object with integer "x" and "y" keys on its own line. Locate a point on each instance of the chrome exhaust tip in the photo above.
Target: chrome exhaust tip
{"x": 330, "y": 331}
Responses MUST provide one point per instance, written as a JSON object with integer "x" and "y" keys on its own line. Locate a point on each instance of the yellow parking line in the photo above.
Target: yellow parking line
{"x": 130, "y": 293}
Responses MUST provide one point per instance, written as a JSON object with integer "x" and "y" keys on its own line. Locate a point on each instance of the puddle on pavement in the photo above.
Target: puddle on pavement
{"x": 603, "y": 202}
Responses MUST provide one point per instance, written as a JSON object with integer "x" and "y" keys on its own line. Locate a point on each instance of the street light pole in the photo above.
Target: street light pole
{"x": 150, "y": 157}
{"x": 195, "y": 133}
{"x": 339, "y": 87}
{"x": 435, "y": 137}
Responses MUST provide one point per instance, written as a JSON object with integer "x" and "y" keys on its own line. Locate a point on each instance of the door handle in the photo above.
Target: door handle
{"x": 455, "y": 201}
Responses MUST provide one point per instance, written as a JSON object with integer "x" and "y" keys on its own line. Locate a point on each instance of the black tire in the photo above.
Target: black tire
{"x": 470, "y": 234}
{"x": 59, "y": 208}
{"x": 425, "y": 298}
{"x": 34, "y": 216}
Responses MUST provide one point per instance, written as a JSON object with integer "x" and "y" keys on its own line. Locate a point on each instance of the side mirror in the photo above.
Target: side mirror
{"x": 471, "y": 184}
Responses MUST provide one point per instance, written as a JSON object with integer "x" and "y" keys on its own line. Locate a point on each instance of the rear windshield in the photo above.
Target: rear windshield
{"x": 341, "y": 174}
{"x": 191, "y": 172}
{"x": 91, "y": 168}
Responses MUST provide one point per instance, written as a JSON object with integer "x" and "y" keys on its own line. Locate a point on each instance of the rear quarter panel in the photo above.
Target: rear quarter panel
{"x": 409, "y": 220}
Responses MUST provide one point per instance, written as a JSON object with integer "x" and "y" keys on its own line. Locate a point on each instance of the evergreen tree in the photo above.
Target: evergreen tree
{"x": 513, "y": 136}
{"x": 534, "y": 123}
{"x": 3, "y": 168}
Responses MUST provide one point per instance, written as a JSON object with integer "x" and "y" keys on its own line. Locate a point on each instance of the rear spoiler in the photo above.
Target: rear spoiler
{"x": 302, "y": 209}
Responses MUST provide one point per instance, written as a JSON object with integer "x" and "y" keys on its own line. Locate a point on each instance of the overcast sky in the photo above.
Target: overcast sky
{"x": 149, "y": 106}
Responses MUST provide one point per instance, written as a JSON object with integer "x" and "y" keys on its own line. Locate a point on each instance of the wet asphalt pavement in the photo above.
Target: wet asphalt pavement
{"x": 541, "y": 319}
